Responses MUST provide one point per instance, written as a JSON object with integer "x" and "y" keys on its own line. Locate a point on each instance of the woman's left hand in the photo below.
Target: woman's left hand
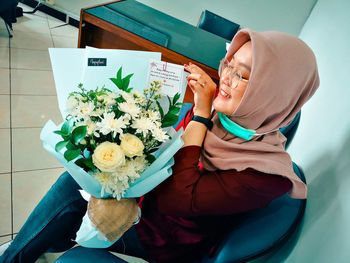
{"x": 203, "y": 88}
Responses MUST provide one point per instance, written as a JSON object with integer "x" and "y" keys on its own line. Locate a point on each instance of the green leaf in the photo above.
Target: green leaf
{"x": 60, "y": 145}
{"x": 153, "y": 150}
{"x": 150, "y": 158}
{"x": 60, "y": 133}
{"x": 117, "y": 82}
{"x": 70, "y": 155}
{"x": 169, "y": 120}
{"x": 160, "y": 110}
{"x": 126, "y": 81}
{"x": 174, "y": 111}
{"x": 78, "y": 134}
{"x": 71, "y": 146}
{"x": 67, "y": 126}
{"x": 176, "y": 98}
{"x": 82, "y": 162}
{"x": 119, "y": 73}
{"x": 169, "y": 101}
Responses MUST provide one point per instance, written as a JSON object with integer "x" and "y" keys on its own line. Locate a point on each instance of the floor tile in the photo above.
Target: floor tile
{"x": 5, "y": 204}
{"x": 4, "y": 37}
{"x": 28, "y": 152}
{"x": 65, "y": 42}
{"x": 60, "y": 28}
{"x": 4, "y": 81}
{"x": 4, "y": 57}
{"x": 5, "y": 151}
{"x": 30, "y": 40}
{"x": 41, "y": 82}
{"x": 28, "y": 190}
{"x": 4, "y": 111}
{"x": 5, "y": 239}
{"x": 30, "y": 59}
{"x": 33, "y": 111}
{"x": 31, "y": 23}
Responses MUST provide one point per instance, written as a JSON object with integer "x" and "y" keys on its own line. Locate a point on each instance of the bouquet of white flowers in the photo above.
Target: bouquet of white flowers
{"x": 112, "y": 135}
{"x": 115, "y": 142}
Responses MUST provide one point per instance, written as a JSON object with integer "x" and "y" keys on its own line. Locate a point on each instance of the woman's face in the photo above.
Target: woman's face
{"x": 230, "y": 96}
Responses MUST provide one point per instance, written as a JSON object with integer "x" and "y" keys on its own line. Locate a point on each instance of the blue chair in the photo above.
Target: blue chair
{"x": 217, "y": 25}
{"x": 265, "y": 229}
{"x": 262, "y": 230}
{"x": 8, "y": 13}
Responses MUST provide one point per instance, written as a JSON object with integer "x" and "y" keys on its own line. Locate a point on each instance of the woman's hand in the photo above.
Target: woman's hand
{"x": 203, "y": 88}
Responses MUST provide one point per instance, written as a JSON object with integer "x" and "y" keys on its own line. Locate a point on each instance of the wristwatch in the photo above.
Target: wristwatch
{"x": 205, "y": 121}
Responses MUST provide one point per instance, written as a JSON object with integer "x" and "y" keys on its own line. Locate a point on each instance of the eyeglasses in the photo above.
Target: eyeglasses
{"x": 235, "y": 76}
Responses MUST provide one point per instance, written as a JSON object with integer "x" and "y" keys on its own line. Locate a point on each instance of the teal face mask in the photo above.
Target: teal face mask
{"x": 236, "y": 129}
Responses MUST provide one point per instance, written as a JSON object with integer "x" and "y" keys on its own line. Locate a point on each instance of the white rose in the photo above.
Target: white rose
{"x": 108, "y": 156}
{"x": 131, "y": 145}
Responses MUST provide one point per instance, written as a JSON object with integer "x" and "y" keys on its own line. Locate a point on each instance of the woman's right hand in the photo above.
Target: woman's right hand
{"x": 203, "y": 88}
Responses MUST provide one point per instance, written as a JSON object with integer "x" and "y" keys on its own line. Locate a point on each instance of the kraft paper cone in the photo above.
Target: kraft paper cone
{"x": 112, "y": 217}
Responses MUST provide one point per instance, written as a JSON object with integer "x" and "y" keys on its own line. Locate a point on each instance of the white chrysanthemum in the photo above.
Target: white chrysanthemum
{"x": 140, "y": 97}
{"x": 114, "y": 184}
{"x": 139, "y": 164}
{"x": 128, "y": 97}
{"x": 160, "y": 135}
{"x": 143, "y": 125}
{"x": 110, "y": 124}
{"x": 130, "y": 108}
{"x": 153, "y": 115}
{"x": 117, "y": 183}
{"x": 106, "y": 180}
{"x": 99, "y": 111}
{"x": 109, "y": 99}
{"x": 72, "y": 102}
{"x": 127, "y": 172}
{"x": 90, "y": 126}
{"x": 84, "y": 110}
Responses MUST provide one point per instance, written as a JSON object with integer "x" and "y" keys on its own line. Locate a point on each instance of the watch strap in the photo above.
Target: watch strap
{"x": 205, "y": 121}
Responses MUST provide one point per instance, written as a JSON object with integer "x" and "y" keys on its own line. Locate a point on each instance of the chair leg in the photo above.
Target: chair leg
{"x": 35, "y": 8}
{"x": 9, "y": 29}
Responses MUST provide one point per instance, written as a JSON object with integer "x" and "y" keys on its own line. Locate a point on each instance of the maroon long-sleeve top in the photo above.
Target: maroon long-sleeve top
{"x": 184, "y": 217}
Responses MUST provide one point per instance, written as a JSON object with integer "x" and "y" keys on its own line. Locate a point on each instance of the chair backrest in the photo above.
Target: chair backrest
{"x": 217, "y": 25}
{"x": 261, "y": 230}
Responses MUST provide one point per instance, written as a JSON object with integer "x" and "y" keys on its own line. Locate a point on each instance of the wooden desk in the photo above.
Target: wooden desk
{"x": 104, "y": 26}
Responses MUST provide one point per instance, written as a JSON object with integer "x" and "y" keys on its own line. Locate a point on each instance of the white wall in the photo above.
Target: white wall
{"x": 287, "y": 16}
{"x": 322, "y": 143}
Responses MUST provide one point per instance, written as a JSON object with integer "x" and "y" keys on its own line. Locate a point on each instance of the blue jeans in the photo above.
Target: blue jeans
{"x": 53, "y": 224}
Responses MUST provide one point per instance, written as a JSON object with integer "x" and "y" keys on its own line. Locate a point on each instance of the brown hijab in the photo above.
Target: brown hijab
{"x": 283, "y": 77}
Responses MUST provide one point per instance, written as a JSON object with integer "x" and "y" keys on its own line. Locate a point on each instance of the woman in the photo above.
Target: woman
{"x": 265, "y": 78}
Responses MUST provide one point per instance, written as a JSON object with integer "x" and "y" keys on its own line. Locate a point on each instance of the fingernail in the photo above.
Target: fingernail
{"x": 190, "y": 63}
{"x": 185, "y": 65}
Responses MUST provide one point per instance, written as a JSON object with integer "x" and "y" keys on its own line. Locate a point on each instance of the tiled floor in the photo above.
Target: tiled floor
{"x": 27, "y": 101}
